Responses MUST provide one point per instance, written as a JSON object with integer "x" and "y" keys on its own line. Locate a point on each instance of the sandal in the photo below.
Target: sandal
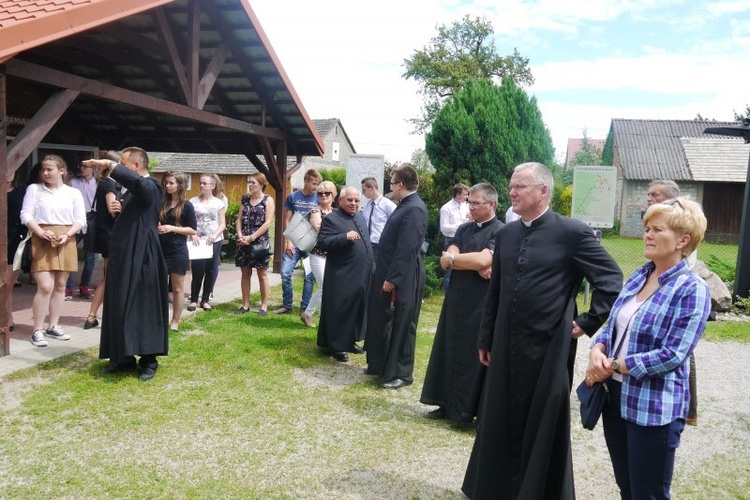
{"x": 89, "y": 324}
{"x": 192, "y": 306}
{"x": 206, "y": 306}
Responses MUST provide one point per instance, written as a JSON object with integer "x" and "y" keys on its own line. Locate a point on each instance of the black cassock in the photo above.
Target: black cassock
{"x": 522, "y": 447}
{"x": 454, "y": 375}
{"x": 346, "y": 280}
{"x": 134, "y": 321}
{"x": 391, "y": 338}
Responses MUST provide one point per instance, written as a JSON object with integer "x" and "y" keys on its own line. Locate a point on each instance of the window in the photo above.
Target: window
{"x": 335, "y": 151}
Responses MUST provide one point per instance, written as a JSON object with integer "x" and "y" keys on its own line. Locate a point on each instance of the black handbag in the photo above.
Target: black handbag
{"x": 592, "y": 400}
{"x": 260, "y": 250}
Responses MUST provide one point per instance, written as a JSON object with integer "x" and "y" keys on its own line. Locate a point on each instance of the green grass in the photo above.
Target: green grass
{"x": 248, "y": 407}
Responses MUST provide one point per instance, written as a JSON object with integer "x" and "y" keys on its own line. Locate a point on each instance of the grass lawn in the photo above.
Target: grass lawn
{"x": 247, "y": 407}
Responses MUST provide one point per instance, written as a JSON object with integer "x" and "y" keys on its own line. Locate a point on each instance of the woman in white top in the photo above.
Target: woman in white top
{"x": 210, "y": 214}
{"x": 54, "y": 213}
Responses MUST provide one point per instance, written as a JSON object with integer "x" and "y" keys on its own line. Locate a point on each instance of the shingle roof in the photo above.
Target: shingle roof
{"x": 651, "y": 149}
{"x": 717, "y": 160}
{"x": 221, "y": 164}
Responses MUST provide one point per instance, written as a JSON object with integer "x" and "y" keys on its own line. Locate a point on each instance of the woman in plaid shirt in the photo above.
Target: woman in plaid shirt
{"x": 643, "y": 349}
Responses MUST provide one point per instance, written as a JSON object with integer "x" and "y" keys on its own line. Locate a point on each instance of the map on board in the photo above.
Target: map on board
{"x": 359, "y": 166}
{"x": 594, "y": 195}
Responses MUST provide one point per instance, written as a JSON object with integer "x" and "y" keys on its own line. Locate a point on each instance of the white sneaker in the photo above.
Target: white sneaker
{"x": 57, "y": 333}
{"x": 37, "y": 339}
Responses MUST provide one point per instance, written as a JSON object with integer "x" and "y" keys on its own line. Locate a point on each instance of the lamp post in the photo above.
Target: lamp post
{"x": 742, "y": 276}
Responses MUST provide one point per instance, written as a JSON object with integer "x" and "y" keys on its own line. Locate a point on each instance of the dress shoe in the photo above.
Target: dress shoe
{"x": 88, "y": 325}
{"x": 262, "y": 312}
{"x": 148, "y": 364}
{"x": 307, "y": 320}
{"x": 341, "y": 357}
{"x": 396, "y": 383}
{"x": 241, "y": 310}
{"x": 127, "y": 365}
{"x": 282, "y": 310}
{"x": 436, "y": 414}
{"x": 357, "y": 350}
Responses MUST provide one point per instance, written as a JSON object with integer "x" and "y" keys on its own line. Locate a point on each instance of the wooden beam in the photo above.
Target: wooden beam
{"x": 5, "y": 289}
{"x": 172, "y": 55}
{"x": 38, "y": 127}
{"x": 211, "y": 74}
{"x": 193, "y": 48}
{"x": 49, "y": 76}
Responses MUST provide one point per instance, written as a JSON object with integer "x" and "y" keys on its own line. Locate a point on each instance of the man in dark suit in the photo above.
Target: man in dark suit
{"x": 344, "y": 237}
{"x": 135, "y": 317}
{"x": 399, "y": 270}
{"x": 526, "y": 336}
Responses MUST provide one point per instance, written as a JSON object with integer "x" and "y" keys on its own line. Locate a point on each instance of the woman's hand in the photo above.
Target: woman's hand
{"x": 599, "y": 369}
{"x": 164, "y": 229}
{"x": 46, "y": 235}
{"x": 196, "y": 240}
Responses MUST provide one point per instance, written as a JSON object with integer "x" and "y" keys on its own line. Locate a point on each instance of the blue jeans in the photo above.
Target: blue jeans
{"x": 89, "y": 260}
{"x": 642, "y": 457}
{"x": 287, "y": 268}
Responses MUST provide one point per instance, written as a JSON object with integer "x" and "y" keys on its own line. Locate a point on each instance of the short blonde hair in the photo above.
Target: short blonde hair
{"x": 683, "y": 216}
{"x": 328, "y": 186}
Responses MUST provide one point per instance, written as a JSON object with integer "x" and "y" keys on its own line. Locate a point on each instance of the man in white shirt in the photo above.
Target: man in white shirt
{"x": 453, "y": 214}
{"x": 86, "y": 184}
{"x": 376, "y": 212}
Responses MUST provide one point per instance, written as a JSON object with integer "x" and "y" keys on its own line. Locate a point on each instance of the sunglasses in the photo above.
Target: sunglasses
{"x": 325, "y": 193}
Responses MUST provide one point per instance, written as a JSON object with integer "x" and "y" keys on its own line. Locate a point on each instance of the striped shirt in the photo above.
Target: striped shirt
{"x": 663, "y": 334}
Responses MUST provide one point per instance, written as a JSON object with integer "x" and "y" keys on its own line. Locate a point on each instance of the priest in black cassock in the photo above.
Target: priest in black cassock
{"x": 135, "y": 316}
{"x": 344, "y": 237}
{"x": 526, "y": 336}
{"x": 399, "y": 267}
{"x": 455, "y": 376}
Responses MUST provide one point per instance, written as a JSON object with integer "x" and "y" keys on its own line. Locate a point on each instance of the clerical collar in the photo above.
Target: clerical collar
{"x": 528, "y": 224}
{"x": 480, "y": 224}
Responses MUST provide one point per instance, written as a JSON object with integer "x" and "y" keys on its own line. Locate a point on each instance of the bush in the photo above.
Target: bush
{"x": 335, "y": 175}
{"x": 433, "y": 281}
{"x": 230, "y": 247}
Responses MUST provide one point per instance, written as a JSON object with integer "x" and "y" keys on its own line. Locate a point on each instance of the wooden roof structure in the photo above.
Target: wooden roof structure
{"x": 196, "y": 76}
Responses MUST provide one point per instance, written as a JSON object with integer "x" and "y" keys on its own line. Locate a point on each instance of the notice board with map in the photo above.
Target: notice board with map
{"x": 594, "y": 189}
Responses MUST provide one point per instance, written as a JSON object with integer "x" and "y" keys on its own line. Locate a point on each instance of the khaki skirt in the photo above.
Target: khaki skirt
{"x": 45, "y": 257}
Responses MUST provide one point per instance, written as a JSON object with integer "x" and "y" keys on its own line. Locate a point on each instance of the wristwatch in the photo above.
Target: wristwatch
{"x": 451, "y": 258}
{"x": 615, "y": 366}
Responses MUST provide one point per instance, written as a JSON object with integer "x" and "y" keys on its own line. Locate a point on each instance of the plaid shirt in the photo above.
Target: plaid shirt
{"x": 663, "y": 334}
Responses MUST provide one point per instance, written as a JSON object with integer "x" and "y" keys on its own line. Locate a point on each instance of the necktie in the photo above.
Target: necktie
{"x": 369, "y": 219}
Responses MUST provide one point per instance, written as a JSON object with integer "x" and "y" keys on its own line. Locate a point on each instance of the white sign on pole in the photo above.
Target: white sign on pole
{"x": 594, "y": 191}
{"x": 360, "y": 166}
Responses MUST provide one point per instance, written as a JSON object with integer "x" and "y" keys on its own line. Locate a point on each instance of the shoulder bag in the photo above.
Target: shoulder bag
{"x": 301, "y": 233}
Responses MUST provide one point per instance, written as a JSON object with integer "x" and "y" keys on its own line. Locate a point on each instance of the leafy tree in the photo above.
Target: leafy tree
{"x": 461, "y": 52}
{"x": 589, "y": 154}
{"x": 481, "y": 134}
{"x": 742, "y": 115}
{"x": 421, "y": 162}
{"x": 335, "y": 175}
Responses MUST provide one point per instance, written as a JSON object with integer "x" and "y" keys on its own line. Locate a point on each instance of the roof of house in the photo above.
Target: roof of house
{"x": 326, "y": 125}
{"x": 194, "y": 163}
{"x": 166, "y": 75}
{"x": 652, "y": 149}
{"x": 717, "y": 160}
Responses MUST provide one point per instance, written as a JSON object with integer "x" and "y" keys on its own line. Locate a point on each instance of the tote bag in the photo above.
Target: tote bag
{"x": 301, "y": 233}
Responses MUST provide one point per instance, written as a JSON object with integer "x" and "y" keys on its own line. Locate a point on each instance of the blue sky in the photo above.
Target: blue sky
{"x": 592, "y": 61}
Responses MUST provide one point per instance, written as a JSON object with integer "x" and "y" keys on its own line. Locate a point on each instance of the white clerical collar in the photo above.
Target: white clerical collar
{"x": 480, "y": 224}
{"x": 528, "y": 224}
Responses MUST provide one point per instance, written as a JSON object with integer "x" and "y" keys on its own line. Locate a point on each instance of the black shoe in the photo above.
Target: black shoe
{"x": 88, "y": 325}
{"x": 357, "y": 350}
{"x": 341, "y": 357}
{"x": 241, "y": 310}
{"x": 149, "y": 364}
{"x": 126, "y": 365}
{"x": 396, "y": 383}
{"x": 436, "y": 414}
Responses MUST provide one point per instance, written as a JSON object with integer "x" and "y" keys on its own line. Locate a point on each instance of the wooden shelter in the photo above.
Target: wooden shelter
{"x": 166, "y": 75}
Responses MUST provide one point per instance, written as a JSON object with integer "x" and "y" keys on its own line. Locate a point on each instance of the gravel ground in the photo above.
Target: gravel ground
{"x": 723, "y": 433}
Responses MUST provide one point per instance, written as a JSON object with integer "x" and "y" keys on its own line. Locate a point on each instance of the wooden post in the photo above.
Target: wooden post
{"x": 4, "y": 285}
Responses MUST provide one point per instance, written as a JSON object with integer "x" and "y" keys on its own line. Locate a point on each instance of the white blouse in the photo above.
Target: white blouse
{"x": 61, "y": 207}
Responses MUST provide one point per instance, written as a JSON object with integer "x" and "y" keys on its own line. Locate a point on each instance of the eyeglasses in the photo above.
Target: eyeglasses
{"x": 477, "y": 203}
{"x": 352, "y": 199}
{"x": 523, "y": 187}
{"x": 674, "y": 202}
{"x": 325, "y": 193}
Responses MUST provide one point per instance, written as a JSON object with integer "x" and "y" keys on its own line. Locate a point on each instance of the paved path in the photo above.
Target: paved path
{"x": 24, "y": 355}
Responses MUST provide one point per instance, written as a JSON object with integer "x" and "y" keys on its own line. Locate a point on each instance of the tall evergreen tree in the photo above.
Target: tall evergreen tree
{"x": 481, "y": 134}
